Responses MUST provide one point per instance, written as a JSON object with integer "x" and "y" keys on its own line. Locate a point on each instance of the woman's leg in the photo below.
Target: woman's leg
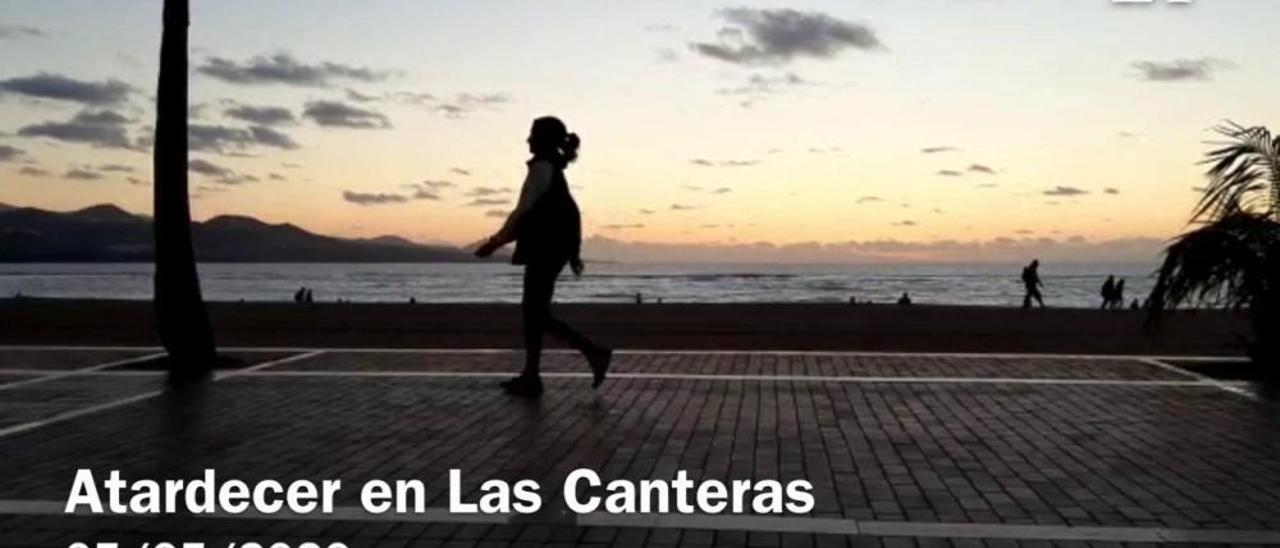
{"x": 539, "y": 286}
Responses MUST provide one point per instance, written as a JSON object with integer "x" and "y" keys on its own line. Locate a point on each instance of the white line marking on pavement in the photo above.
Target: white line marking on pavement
{"x": 914, "y": 529}
{"x": 44, "y": 372}
{"x": 759, "y": 378}
{"x": 975, "y": 355}
{"x": 340, "y": 513}
{"x": 62, "y": 374}
{"x": 772, "y": 524}
{"x": 63, "y": 417}
{"x": 1237, "y": 390}
{"x": 273, "y": 363}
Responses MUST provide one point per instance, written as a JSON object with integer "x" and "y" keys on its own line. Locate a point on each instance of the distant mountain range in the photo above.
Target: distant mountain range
{"x": 106, "y": 233}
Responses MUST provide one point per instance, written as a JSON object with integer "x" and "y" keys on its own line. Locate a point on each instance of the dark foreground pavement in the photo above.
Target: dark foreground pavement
{"x": 902, "y": 450}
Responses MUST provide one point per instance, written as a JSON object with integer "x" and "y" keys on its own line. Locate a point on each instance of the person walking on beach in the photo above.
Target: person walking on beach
{"x": 1108, "y": 293}
{"x": 1117, "y": 296}
{"x": 1031, "y": 280}
{"x": 547, "y": 228}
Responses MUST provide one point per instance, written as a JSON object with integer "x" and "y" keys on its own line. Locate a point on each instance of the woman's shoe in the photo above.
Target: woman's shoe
{"x": 522, "y": 386}
{"x": 599, "y": 360}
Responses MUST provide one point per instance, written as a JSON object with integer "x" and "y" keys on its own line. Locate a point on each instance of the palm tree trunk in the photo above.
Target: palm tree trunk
{"x": 181, "y": 317}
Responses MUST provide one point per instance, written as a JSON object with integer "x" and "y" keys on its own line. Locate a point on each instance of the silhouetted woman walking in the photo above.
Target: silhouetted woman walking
{"x": 547, "y": 228}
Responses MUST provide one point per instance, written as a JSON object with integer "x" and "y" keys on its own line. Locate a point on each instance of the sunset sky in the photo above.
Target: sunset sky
{"x": 936, "y": 128}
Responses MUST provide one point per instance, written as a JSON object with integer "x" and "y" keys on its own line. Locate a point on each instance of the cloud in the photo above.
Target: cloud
{"x": 269, "y": 137}
{"x": 207, "y": 168}
{"x": 338, "y": 114}
{"x": 116, "y": 168}
{"x": 32, "y": 171}
{"x": 412, "y": 98}
{"x": 20, "y": 31}
{"x": 949, "y": 173}
{"x": 1065, "y": 191}
{"x": 647, "y": 212}
{"x": 373, "y": 198}
{"x": 979, "y": 168}
{"x": 1110, "y": 190}
{"x": 102, "y": 128}
{"x": 938, "y": 150}
{"x": 225, "y": 140}
{"x": 869, "y": 199}
{"x": 723, "y": 163}
{"x": 722, "y": 190}
{"x": 622, "y": 226}
{"x": 484, "y": 202}
{"x": 61, "y": 88}
{"x": 905, "y": 223}
{"x": 427, "y": 190}
{"x": 282, "y": 68}
{"x": 495, "y": 213}
{"x": 424, "y": 194}
{"x": 483, "y": 191}
{"x": 217, "y": 173}
{"x": 827, "y": 150}
{"x": 81, "y": 174}
{"x": 196, "y": 111}
{"x": 261, "y": 115}
{"x": 776, "y": 36}
{"x": 666, "y": 55}
{"x": 684, "y": 207}
{"x": 353, "y": 95}
{"x": 758, "y": 87}
{"x": 1180, "y": 70}
{"x": 9, "y": 154}
{"x": 464, "y": 104}
{"x": 460, "y": 171}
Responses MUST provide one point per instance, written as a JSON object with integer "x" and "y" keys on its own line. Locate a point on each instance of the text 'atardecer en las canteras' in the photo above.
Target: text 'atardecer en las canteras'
{"x": 583, "y": 491}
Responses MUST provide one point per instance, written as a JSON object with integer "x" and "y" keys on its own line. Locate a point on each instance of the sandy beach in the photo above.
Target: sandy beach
{"x": 668, "y": 326}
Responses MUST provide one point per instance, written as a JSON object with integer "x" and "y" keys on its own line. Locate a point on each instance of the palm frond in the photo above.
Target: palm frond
{"x": 1244, "y": 174}
{"x": 1232, "y": 262}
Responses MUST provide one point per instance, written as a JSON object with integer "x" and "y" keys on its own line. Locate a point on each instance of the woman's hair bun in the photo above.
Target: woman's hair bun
{"x": 570, "y": 149}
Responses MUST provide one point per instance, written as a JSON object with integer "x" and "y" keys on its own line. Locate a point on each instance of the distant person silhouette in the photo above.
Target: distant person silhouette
{"x": 905, "y": 300}
{"x": 1135, "y": 305}
{"x": 1108, "y": 293}
{"x": 547, "y": 228}
{"x": 1117, "y": 299}
{"x": 300, "y": 295}
{"x": 308, "y": 297}
{"x": 639, "y": 298}
{"x": 1031, "y": 280}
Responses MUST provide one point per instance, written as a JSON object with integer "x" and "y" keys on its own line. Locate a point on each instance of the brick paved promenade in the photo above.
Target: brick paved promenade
{"x": 902, "y": 450}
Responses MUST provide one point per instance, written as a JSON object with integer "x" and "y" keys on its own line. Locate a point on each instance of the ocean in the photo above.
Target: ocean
{"x": 1067, "y": 285}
